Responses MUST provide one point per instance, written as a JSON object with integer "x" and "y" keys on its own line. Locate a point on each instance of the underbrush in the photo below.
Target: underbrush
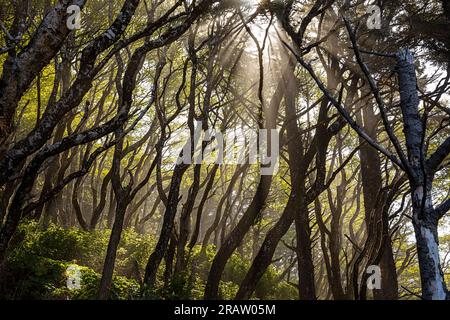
{"x": 40, "y": 264}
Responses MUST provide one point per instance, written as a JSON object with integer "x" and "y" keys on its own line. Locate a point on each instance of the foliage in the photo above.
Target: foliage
{"x": 37, "y": 268}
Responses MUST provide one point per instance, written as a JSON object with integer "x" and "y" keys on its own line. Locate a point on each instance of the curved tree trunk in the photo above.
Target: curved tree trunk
{"x": 372, "y": 184}
{"x": 235, "y": 238}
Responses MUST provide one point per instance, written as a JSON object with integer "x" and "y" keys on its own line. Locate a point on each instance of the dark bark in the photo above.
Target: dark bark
{"x": 201, "y": 206}
{"x": 218, "y": 215}
{"x": 125, "y": 194}
{"x": 72, "y": 97}
{"x": 299, "y": 198}
{"x": 235, "y": 238}
{"x": 254, "y": 210}
{"x": 371, "y": 178}
{"x": 111, "y": 252}
{"x": 166, "y": 230}
{"x": 20, "y": 70}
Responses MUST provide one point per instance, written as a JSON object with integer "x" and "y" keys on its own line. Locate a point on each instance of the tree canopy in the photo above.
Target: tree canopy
{"x": 236, "y": 149}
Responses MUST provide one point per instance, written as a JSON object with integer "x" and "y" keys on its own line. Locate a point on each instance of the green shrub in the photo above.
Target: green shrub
{"x": 37, "y": 265}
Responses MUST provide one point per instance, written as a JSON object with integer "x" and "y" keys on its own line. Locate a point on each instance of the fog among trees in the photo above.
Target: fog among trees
{"x": 119, "y": 121}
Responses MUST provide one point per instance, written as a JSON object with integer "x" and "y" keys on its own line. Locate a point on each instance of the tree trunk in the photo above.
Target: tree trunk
{"x": 235, "y": 238}
{"x": 425, "y": 219}
{"x": 168, "y": 223}
{"x": 372, "y": 184}
{"x": 113, "y": 244}
{"x": 431, "y": 275}
{"x": 306, "y": 283}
